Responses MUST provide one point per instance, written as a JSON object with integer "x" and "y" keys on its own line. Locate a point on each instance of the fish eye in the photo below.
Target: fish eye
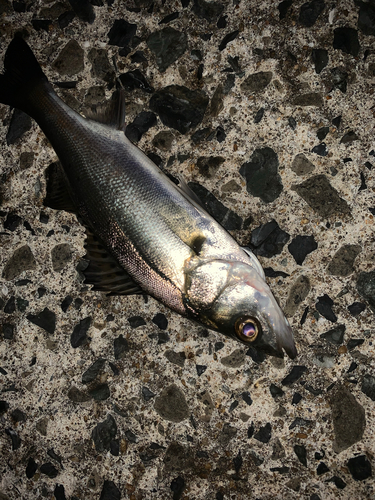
{"x": 247, "y": 329}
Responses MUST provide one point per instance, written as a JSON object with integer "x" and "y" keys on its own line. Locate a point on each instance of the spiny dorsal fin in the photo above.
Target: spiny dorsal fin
{"x": 104, "y": 272}
{"x": 110, "y": 113}
{"x": 58, "y": 196}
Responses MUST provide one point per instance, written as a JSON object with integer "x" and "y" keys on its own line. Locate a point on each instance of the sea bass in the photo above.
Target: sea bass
{"x": 145, "y": 234}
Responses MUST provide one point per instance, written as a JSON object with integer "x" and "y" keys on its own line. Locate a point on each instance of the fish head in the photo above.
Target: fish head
{"x": 233, "y": 299}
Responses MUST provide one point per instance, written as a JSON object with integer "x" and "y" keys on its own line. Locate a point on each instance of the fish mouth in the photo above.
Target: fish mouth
{"x": 285, "y": 340}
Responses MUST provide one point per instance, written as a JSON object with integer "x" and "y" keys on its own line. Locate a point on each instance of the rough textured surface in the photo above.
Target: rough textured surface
{"x": 267, "y": 111}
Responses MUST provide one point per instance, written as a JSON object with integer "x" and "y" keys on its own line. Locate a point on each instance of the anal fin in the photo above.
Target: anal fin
{"x": 104, "y": 272}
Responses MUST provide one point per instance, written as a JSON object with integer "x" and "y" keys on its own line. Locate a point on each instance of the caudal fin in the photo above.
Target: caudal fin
{"x": 22, "y": 74}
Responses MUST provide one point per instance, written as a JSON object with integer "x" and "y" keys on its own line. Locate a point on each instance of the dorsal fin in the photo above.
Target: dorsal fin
{"x": 57, "y": 196}
{"x": 104, "y": 272}
{"x": 111, "y": 113}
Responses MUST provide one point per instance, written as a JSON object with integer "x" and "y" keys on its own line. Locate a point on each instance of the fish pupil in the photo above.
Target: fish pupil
{"x": 249, "y": 330}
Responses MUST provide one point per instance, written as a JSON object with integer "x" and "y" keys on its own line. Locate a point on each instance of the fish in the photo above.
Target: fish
{"x": 145, "y": 233}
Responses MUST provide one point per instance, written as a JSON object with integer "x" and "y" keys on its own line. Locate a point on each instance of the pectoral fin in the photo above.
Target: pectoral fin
{"x": 58, "y": 196}
{"x": 104, "y": 272}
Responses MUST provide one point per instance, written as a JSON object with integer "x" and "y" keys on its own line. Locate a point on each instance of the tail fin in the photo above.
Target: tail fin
{"x": 22, "y": 74}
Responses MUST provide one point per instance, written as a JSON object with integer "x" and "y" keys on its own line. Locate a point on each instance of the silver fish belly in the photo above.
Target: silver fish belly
{"x": 144, "y": 232}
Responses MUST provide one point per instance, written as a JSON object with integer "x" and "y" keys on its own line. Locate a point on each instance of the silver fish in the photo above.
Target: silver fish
{"x": 145, "y": 234}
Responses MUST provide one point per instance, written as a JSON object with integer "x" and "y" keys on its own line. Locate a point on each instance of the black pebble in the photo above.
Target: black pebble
{"x": 296, "y": 398}
{"x": 322, "y": 469}
{"x": 301, "y": 246}
{"x": 356, "y": 308}
{"x": 271, "y": 273}
{"x": 31, "y": 468}
{"x": 10, "y": 306}
{"x": 179, "y": 107}
{"x": 147, "y": 394}
{"x": 250, "y": 431}
{"x": 233, "y": 406}
{"x": 366, "y": 18}
{"x": 354, "y": 343}
{"x": 66, "y": 18}
{"x": 324, "y": 307}
{"x": 120, "y": 347}
{"x": 93, "y": 371}
{"x": 49, "y": 470}
{"x": 346, "y": 39}
{"x": 227, "y": 39}
{"x": 46, "y": 319}
{"x": 320, "y": 59}
{"x": 304, "y": 316}
{"x": 320, "y": 149}
{"x": 261, "y": 174}
{"x": 104, "y": 433}
{"x": 237, "y": 462}
{"x": 19, "y": 6}
{"x": 353, "y": 366}
{"x": 335, "y": 335}
{"x": 283, "y": 8}
{"x": 114, "y": 447}
{"x": 339, "y": 483}
{"x": 131, "y": 437}
{"x": 66, "y": 303}
{"x": 264, "y": 433}
{"x": 53, "y": 455}
{"x": 77, "y": 303}
{"x": 121, "y": 33}
{"x": 292, "y": 123}
{"x": 18, "y": 415}
{"x": 84, "y": 10}
{"x": 12, "y": 222}
{"x": 222, "y": 22}
{"x": 268, "y": 239}
{"x": 41, "y": 24}
{"x": 161, "y": 321}
{"x": 294, "y": 375}
{"x": 300, "y": 451}
{"x": 276, "y": 391}
{"x": 59, "y": 492}
{"x": 247, "y": 398}
{"x": 359, "y": 467}
{"x": 300, "y": 422}
{"x": 177, "y": 487}
{"x": 259, "y": 115}
{"x": 100, "y": 392}
{"x": 310, "y": 11}
{"x": 368, "y": 386}
{"x": 256, "y": 355}
{"x": 201, "y": 369}
{"x": 336, "y": 121}
{"x": 138, "y": 57}
{"x": 219, "y": 346}
{"x": 79, "y": 335}
{"x": 110, "y": 491}
{"x": 322, "y": 133}
{"x": 141, "y": 124}
{"x": 135, "y": 80}
{"x": 163, "y": 338}
{"x": 136, "y": 321}
{"x": 16, "y": 440}
{"x": 8, "y": 331}
{"x": 170, "y": 17}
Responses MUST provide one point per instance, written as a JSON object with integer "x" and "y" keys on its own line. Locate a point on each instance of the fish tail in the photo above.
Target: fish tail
{"x": 22, "y": 75}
